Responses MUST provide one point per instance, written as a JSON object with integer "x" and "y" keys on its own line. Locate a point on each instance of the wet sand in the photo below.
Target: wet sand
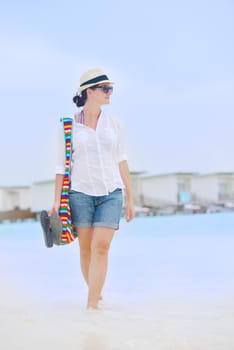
{"x": 164, "y": 324}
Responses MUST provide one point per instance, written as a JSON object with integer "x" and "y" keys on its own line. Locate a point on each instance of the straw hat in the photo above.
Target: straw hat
{"x": 93, "y": 77}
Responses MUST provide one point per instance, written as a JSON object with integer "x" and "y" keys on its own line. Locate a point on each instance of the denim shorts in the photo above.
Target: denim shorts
{"x": 96, "y": 211}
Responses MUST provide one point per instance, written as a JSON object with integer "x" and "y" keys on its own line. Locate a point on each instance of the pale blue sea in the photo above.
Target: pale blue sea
{"x": 161, "y": 269}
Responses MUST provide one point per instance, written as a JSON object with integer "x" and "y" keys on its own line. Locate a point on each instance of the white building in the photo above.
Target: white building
{"x": 42, "y": 195}
{"x": 136, "y": 182}
{"x": 216, "y": 187}
{"x": 16, "y": 197}
{"x": 149, "y": 190}
{"x": 166, "y": 188}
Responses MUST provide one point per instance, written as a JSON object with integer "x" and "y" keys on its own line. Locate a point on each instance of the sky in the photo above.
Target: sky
{"x": 173, "y": 67}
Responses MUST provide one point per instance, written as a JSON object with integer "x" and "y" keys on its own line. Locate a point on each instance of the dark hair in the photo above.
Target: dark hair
{"x": 80, "y": 100}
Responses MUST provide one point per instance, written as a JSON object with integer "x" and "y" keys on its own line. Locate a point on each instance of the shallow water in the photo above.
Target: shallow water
{"x": 170, "y": 285}
{"x": 149, "y": 257}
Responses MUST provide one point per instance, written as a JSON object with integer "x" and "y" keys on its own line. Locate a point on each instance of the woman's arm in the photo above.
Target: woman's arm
{"x": 57, "y": 193}
{"x": 125, "y": 175}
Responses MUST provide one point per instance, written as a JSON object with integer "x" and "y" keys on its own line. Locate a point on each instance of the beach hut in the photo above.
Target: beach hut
{"x": 214, "y": 187}
{"x": 42, "y": 195}
{"x": 15, "y": 197}
{"x": 171, "y": 188}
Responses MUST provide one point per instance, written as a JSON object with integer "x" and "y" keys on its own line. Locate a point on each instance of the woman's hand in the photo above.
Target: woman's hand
{"x": 129, "y": 210}
{"x": 54, "y": 209}
{"x": 129, "y": 203}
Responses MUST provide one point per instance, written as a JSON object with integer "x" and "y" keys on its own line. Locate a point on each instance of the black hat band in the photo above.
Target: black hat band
{"x": 95, "y": 80}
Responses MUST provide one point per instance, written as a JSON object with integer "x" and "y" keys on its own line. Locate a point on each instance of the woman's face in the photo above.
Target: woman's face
{"x": 101, "y": 94}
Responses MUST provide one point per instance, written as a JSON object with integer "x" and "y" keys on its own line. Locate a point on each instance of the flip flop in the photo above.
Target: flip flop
{"x": 45, "y": 224}
{"x": 56, "y": 228}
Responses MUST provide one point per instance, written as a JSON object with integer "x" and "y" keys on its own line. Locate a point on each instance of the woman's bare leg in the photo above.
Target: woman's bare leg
{"x": 85, "y": 235}
{"x": 101, "y": 240}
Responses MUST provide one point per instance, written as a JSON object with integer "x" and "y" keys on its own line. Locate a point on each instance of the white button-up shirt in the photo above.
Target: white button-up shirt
{"x": 95, "y": 156}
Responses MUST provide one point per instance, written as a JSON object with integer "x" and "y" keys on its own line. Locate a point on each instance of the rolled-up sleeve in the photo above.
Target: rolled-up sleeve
{"x": 60, "y": 151}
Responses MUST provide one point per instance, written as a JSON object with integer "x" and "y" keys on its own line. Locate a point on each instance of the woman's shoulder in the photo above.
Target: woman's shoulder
{"x": 114, "y": 119}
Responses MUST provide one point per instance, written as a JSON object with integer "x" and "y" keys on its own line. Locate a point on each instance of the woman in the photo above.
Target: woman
{"x": 98, "y": 176}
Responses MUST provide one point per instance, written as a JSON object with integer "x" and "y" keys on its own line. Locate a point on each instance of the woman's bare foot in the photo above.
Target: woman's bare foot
{"x": 92, "y": 307}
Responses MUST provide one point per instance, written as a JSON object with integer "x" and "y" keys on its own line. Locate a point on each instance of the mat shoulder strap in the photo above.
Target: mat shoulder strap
{"x": 67, "y": 128}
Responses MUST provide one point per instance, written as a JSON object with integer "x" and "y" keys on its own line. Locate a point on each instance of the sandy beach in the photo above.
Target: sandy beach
{"x": 169, "y": 310}
{"x": 162, "y": 324}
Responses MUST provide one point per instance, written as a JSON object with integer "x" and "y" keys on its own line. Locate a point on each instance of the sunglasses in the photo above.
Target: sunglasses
{"x": 105, "y": 88}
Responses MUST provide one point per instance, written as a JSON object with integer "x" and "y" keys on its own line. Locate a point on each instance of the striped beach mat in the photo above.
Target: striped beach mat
{"x": 58, "y": 228}
{"x": 68, "y": 233}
